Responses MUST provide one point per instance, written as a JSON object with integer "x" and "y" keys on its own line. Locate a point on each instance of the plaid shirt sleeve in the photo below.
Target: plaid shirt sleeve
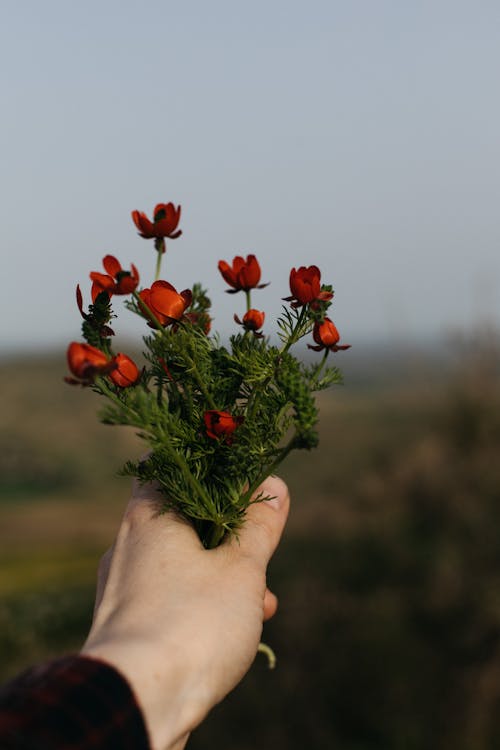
{"x": 73, "y": 703}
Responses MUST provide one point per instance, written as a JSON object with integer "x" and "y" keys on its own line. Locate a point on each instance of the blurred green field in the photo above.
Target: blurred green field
{"x": 388, "y": 633}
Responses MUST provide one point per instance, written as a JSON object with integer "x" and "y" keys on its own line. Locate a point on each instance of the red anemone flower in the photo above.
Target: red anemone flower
{"x": 252, "y": 321}
{"x": 221, "y": 424}
{"x": 327, "y": 336}
{"x": 116, "y": 281}
{"x": 126, "y": 372}
{"x": 305, "y": 286}
{"x": 166, "y": 219}
{"x": 243, "y": 275}
{"x": 166, "y": 304}
{"x": 86, "y": 362}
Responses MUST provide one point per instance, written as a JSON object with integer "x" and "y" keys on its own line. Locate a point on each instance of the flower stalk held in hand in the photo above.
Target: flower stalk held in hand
{"x": 217, "y": 419}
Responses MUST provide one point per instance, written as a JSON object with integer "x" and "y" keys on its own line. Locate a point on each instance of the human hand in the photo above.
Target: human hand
{"x": 180, "y": 622}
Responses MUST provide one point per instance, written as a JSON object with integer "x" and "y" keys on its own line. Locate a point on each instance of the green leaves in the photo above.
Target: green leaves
{"x": 208, "y": 479}
{"x": 95, "y": 327}
{"x": 216, "y": 419}
{"x": 293, "y": 324}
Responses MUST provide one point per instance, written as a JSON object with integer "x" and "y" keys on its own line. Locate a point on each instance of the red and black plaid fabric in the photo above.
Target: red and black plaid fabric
{"x": 76, "y": 703}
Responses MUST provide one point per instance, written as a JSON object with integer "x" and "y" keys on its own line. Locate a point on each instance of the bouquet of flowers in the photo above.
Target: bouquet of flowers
{"x": 217, "y": 419}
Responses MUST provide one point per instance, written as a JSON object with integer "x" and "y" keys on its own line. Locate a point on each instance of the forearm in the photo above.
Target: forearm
{"x": 164, "y": 695}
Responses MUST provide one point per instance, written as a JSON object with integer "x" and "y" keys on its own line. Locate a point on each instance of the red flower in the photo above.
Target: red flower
{"x": 126, "y": 372}
{"x": 166, "y": 218}
{"x": 221, "y": 424}
{"x": 243, "y": 275}
{"x": 252, "y": 321}
{"x": 165, "y": 302}
{"x": 327, "y": 336}
{"x": 117, "y": 281}
{"x": 86, "y": 362}
{"x": 305, "y": 285}
{"x": 79, "y": 302}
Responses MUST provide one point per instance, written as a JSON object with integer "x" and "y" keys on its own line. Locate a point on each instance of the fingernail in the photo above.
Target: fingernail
{"x": 276, "y": 489}
{"x": 275, "y": 501}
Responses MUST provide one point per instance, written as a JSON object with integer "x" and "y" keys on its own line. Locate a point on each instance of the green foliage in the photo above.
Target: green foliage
{"x": 217, "y": 420}
{"x": 293, "y": 325}
{"x": 95, "y": 327}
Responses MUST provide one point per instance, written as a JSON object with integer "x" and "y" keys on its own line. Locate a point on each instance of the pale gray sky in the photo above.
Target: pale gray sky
{"x": 362, "y": 136}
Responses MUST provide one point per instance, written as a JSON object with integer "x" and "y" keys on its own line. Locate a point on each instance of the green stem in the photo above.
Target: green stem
{"x": 248, "y": 296}
{"x": 106, "y": 391}
{"x": 263, "y": 648}
{"x": 195, "y": 485}
{"x": 218, "y": 531}
{"x": 201, "y": 385}
{"x": 150, "y": 314}
{"x": 319, "y": 367}
{"x": 293, "y": 336}
{"x": 270, "y": 468}
{"x": 159, "y": 392}
{"x": 279, "y": 458}
{"x": 253, "y": 398}
{"x": 160, "y": 250}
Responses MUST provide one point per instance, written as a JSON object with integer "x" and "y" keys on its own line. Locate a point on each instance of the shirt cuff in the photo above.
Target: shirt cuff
{"x": 74, "y": 702}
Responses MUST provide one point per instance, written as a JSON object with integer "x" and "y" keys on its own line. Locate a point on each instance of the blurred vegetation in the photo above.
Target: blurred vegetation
{"x": 388, "y": 633}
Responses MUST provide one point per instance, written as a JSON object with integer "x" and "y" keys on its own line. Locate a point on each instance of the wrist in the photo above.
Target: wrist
{"x": 166, "y": 698}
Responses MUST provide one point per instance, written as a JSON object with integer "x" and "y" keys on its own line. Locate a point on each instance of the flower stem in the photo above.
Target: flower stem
{"x": 268, "y": 470}
{"x": 319, "y": 367}
{"x": 249, "y": 300}
{"x": 280, "y": 457}
{"x": 105, "y": 390}
{"x": 216, "y": 535}
{"x": 160, "y": 250}
{"x": 296, "y": 333}
{"x": 195, "y": 485}
{"x": 263, "y": 648}
{"x": 158, "y": 266}
{"x": 200, "y": 381}
{"x": 161, "y": 330}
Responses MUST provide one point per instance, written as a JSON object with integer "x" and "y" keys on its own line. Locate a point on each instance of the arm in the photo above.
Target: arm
{"x": 182, "y": 623}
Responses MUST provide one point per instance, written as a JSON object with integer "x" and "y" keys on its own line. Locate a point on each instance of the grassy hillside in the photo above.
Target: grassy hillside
{"x": 388, "y": 634}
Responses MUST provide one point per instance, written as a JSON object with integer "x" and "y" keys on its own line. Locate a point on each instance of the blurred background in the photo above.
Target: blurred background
{"x": 359, "y": 136}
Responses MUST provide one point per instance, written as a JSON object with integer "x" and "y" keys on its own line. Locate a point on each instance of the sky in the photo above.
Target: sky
{"x": 362, "y": 136}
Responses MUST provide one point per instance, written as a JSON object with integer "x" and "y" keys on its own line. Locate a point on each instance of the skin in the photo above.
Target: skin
{"x": 180, "y": 622}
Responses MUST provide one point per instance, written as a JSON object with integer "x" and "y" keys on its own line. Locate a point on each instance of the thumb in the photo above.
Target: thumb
{"x": 264, "y": 522}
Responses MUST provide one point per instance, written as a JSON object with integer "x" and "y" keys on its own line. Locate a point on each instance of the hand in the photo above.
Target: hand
{"x": 180, "y": 622}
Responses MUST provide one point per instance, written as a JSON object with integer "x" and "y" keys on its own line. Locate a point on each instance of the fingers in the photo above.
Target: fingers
{"x": 146, "y": 491}
{"x": 145, "y": 515}
{"x": 270, "y": 605}
{"x": 145, "y": 528}
{"x": 264, "y": 523}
